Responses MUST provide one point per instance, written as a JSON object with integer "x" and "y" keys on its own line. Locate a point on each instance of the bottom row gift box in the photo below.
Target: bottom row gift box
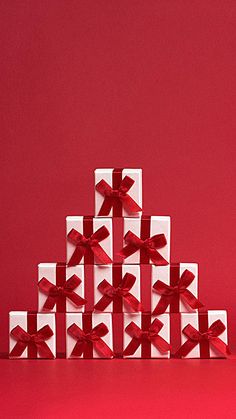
{"x": 140, "y": 335}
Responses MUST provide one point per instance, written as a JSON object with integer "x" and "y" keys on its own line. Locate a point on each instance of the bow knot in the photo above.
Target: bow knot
{"x": 206, "y": 336}
{"x": 148, "y": 244}
{"x": 34, "y": 338}
{"x": 147, "y": 335}
{"x": 56, "y": 291}
{"x": 87, "y": 242}
{"x": 116, "y": 292}
{"x": 115, "y": 193}
{"x": 176, "y": 289}
{"x": 89, "y": 337}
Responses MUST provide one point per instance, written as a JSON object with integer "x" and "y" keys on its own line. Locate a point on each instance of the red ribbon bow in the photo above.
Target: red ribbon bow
{"x": 83, "y": 243}
{"x": 111, "y": 293}
{"x": 170, "y": 293}
{"x": 114, "y": 195}
{"x": 37, "y": 340}
{"x": 56, "y": 293}
{"x": 210, "y": 337}
{"x": 91, "y": 339}
{"x": 139, "y": 336}
{"x": 134, "y": 243}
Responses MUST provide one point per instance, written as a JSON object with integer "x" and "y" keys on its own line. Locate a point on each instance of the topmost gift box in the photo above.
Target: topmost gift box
{"x": 118, "y": 192}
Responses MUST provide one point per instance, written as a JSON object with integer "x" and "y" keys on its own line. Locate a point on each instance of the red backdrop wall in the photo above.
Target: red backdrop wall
{"x": 118, "y": 83}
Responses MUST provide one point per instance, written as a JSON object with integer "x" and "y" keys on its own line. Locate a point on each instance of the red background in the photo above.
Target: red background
{"x": 88, "y": 84}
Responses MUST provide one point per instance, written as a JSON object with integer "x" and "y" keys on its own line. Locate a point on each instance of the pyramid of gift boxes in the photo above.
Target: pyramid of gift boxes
{"x": 130, "y": 302}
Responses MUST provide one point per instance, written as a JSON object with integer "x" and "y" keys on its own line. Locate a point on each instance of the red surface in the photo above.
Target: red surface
{"x": 102, "y": 389}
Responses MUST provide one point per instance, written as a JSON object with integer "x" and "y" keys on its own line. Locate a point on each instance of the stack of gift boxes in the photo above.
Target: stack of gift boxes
{"x": 128, "y": 302}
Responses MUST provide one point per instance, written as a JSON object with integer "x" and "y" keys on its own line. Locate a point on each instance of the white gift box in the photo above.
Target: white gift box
{"x": 193, "y": 320}
{"x": 164, "y": 333}
{"x": 50, "y": 272}
{"x": 96, "y": 319}
{"x": 135, "y": 192}
{"x": 20, "y": 318}
{"x": 108, "y": 273}
{"x": 163, "y": 273}
{"x": 158, "y": 225}
{"x": 77, "y": 223}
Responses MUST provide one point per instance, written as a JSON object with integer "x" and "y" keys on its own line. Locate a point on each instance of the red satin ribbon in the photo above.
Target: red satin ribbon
{"x": 60, "y": 293}
{"x": 172, "y": 293}
{"x": 36, "y": 341}
{"x": 114, "y": 196}
{"x": 83, "y": 244}
{"x": 146, "y": 337}
{"x": 149, "y": 246}
{"x": 120, "y": 293}
{"x": 207, "y": 338}
{"x": 90, "y": 339}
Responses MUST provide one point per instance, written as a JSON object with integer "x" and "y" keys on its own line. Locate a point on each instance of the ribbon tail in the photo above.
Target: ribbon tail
{"x": 191, "y": 300}
{"x": 220, "y": 346}
{"x": 106, "y": 206}
{"x": 133, "y": 302}
{"x": 128, "y": 250}
{"x": 77, "y": 256}
{"x": 132, "y": 347}
{"x": 186, "y": 348}
{"x": 162, "y": 305}
{"x": 49, "y": 303}
{"x": 18, "y": 349}
{"x": 160, "y": 344}
{"x": 44, "y": 351}
{"x": 101, "y": 255}
{"x": 78, "y": 348}
{"x": 130, "y": 205}
{"x": 102, "y": 349}
{"x": 103, "y": 303}
{"x": 156, "y": 257}
{"x": 76, "y": 299}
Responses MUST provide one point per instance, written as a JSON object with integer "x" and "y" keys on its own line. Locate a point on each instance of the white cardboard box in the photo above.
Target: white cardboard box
{"x": 135, "y": 192}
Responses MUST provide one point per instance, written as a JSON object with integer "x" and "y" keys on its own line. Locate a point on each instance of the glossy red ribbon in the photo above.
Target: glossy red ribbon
{"x": 119, "y": 194}
{"x": 35, "y": 341}
{"x": 145, "y": 337}
{"x": 149, "y": 246}
{"x": 172, "y": 293}
{"x": 91, "y": 243}
{"x": 111, "y": 293}
{"x": 210, "y": 337}
{"x": 90, "y": 339}
{"x": 57, "y": 293}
